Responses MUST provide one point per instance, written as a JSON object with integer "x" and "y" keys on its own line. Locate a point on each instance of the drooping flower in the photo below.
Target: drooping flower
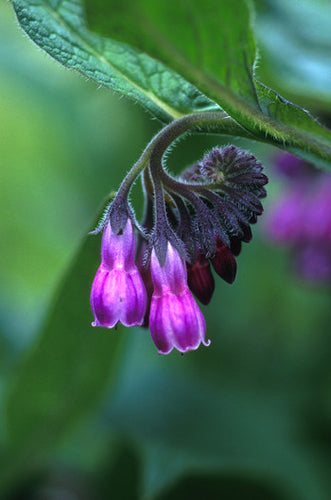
{"x": 175, "y": 319}
{"x": 118, "y": 293}
{"x": 189, "y": 224}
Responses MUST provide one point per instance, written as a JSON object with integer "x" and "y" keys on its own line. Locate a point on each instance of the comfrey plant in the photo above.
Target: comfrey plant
{"x": 198, "y": 73}
{"x": 202, "y": 218}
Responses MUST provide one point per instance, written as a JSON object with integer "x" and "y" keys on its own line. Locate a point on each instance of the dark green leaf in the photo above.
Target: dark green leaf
{"x": 210, "y": 40}
{"x": 190, "y": 427}
{"x": 59, "y": 28}
{"x": 66, "y": 372}
{"x": 211, "y": 486}
{"x": 212, "y": 46}
{"x": 281, "y": 110}
{"x": 306, "y": 136}
{"x": 120, "y": 475}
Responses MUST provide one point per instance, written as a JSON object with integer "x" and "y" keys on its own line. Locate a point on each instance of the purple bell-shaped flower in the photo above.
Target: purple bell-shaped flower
{"x": 175, "y": 319}
{"x": 118, "y": 293}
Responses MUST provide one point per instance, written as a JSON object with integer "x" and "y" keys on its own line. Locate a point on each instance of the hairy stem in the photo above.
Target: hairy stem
{"x": 163, "y": 139}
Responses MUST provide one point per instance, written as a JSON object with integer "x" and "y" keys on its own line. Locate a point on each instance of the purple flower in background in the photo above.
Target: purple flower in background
{"x": 313, "y": 262}
{"x": 118, "y": 293}
{"x": 293, "y": 167}
{"x": 301, "y": 218}
{"x": 284, "y": 220}
{"x": 175, "y": 319}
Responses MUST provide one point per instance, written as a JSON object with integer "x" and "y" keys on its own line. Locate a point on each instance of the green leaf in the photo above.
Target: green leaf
{"x": 212, "y": 46}
{"x": 304, "y": 132}
{"x": 59, "y": 28}
{"x": 64, "y": 375}
{"x": 120, "y": 473}
{"x": 212, "y": 40}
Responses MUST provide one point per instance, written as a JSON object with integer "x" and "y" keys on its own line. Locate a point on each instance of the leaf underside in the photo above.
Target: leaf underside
{"x": 59, "y": 28}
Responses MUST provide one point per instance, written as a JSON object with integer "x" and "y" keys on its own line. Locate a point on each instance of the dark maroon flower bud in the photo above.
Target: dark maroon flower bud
{"x": 200, "y": 279}
{"x": 224, "y": 263}
{"x": 235, "y": 246}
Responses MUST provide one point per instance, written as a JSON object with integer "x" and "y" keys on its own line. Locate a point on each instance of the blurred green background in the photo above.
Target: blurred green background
{"x": 94, "y": 414}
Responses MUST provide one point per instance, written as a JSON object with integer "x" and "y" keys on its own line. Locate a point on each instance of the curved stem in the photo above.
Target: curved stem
{"x": 147, "y": 184}
{"x": 163, "y": 139}
{"x": 216, "y": 121}
{"x": 160, "y": 211}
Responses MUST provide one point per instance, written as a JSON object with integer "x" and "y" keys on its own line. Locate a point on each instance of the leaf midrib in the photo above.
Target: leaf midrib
{"x": 161, "y": 104}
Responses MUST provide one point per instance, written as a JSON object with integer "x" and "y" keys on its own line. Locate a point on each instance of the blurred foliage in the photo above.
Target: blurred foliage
{"x": 295, "y": 44}
{"x": 59, "y": 141}
{"x": 92, "y": 414}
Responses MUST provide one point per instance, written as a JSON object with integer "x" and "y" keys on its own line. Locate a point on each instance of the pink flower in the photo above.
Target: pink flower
{"x": 175, "y": 319}
{"x": 118, "y": 293}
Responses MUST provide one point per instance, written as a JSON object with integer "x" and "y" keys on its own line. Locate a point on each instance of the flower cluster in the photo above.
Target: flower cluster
{"x": 190, "y": 224}
{"x": 301, "y": 218}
